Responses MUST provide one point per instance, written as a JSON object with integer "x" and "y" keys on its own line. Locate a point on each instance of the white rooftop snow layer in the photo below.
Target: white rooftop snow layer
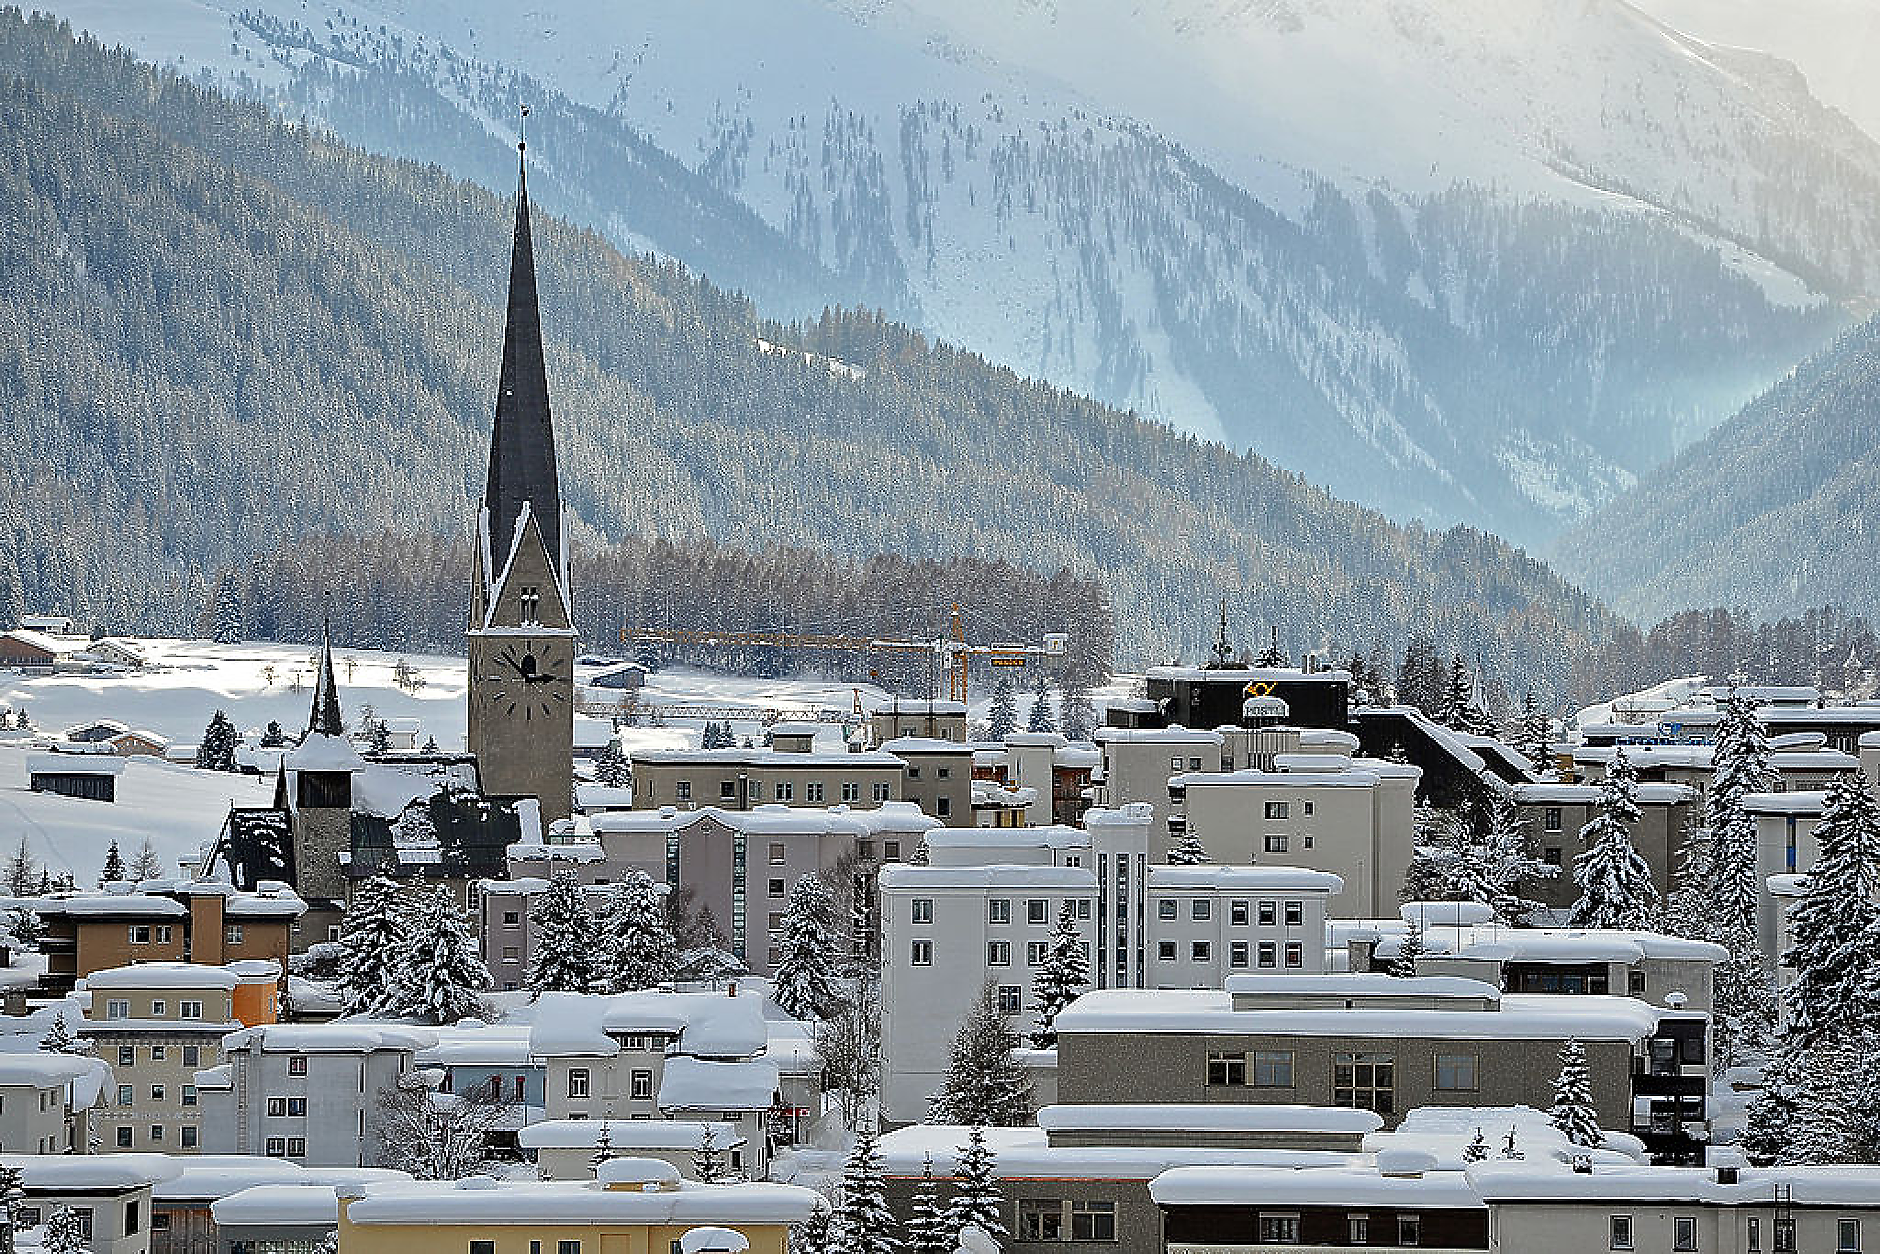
{"x": 702, "y": 1084}
{"x": 1498, "y": 1181}
{"x": 207, "y": 1177}
{"x": 1363, "y": 1185}
{"x": 1024, "y": 1152}
{"x": 481, "y": 1200}
{"x": 1209, "y": 1012}
{"x": 1366, "y": 778}
{"x": 344, "y": 1036}
{"x": 1174, "y": 733}
{"x": 626, "y": 1134}
{"x": 283, "y": 1205}
{"x": 1062, "y": 879}
{"x": 1361, "y": 984}
{"x": 1541, "y": 944}
{"x": 163, "y": 975}
{"x": 707, "y": 1023}
{"x": 1210, "y": 1117}
{"x": 1243, "y": 878}
{"x": 73, "y": 1173}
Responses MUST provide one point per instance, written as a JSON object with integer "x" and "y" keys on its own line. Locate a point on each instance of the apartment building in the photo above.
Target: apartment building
{"x": 946, "y": 930}
{"x": 1208, "y": 922}
{"x": 205, "y": 922}
{"x": 157, "y": 1024}
{"x": 47, "y": 1100}
{"x": 1135, "y": 765}
{"x": 791, "y": 772}
{"x": 938, "y": 778}
{"x": 1553, "y": 814}
{"x": 918, "y": 717}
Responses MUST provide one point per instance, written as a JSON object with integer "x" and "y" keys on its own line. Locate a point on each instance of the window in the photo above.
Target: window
{"x": 123, "y": 1138}
{"x": 1847, "y": 1236}
{"x": 913, "y": 772}
{"x": 83, "y": 1215}
{"x": 512, "y": 918}
{"x": 159, "y": 1092}
{"x": 1226, "y": 1069}
{"x": 813, "y": 792}
{"x": 944, "y": 772}
{"x": 683, "y": 790}
{"x": 1358, "y": 1230}
{"x": 1269, "y": 913}
{"x": 190, "y": 1097}
{"x": 1165, "y": 951}
{"x": 139, "y": 933}
{"x": 890, "y": 849}
{"x": 1754, "y": 1244}
{"x": 1035, "y": 952}
{"x": 1174, "y": 764}
{"x": 1295, "y": 955}
{"x": 567, "y": 1247}
{"x": 26, "y": 1216}
{"x": 1364, "y": 1081}
{"x": 158, "y": 1008}
{"x": 133, "y": 1219}
{"x": 1275, "y": 844}
{"x": 776, "y": 853}
{"x": 189, "y": 1009}
{"x": 727, "y": 789}
{"x": 578, "y": 1082}
{"x": 920, "y": 953}
{"x": 1635, "y": 983}
{"x": 880, "y": 792}
{"x": 232, "y": 934}
{"x": 642, "y": 1090}
{"x": 1684, "y": 1232}
{"x": 1409, "y": 1230}
{"x": 998, "y": 910}
{"x": 1194, "y": 764}
{"x": 158, "y": 1053}
{"x": 786, "y": 791}
{"x": 1168, "y": 908}
{"x": 1295, "y": 914}
{"x": 851, "y": 791}
{"x": 1009, "y": 999}
{"x": 1040, "y": 1220}
{"x": 1550, "y": 822}
{"x": 156, "y": 1133}
{"x": 1201, "y": 908}
{"x": 127, "y": 1095}
{"x": 1308, "y": 809}
{"x": 1093, "y": 1221}
{"x": 942, "y": 807}
{"x": 773, "y": 888}
{"x": 1785, "y": 1235}
{"x": 483, "y": 1247}
{"x": 920, "y": 910}
{"x": 1200, "y": 951}
{"x": 1037, "y": 911}
{"x": 1551, "y": 855}
{"x": 512, "y": 953}
{"x": 1237, "y": 914}
{"x": 1455, "y": 1073}
{"x": 755, "y": 787}
{"x": 295, "y": 1066}
{"x": 1083, "y": 908}
{"x": 117, "y": 1008}
{"x": 1273, "y": 1068}
{"x": 1269, "y": 955}
{"x": 1237, "y": 955}
{"x": 1621, "y": 1232}
{"x": 1279, "y": 1229}
{"x": 1278, "y": 809}
{"x": 277, "y": 1107}
{"x": 998, "y": 953}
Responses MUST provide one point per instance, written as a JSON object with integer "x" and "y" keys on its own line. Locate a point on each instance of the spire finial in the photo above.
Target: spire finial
{"x": 522, "y": 131}
{"x": 324, "y": 718}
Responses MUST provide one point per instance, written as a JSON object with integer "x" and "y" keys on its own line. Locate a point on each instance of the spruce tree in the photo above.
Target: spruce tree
{"x": 804, "y": 984}
{"x": 1404, "y": 965}
{"x": 1187, "y": 850}
{"x": 977, "y": 1198}
{"x": 1041, "y": 717}
{"x": 1003, "y": 717}
{"x": 983, "y": 1085}
{"x": 146, "y": 865}
{"x": 273, "y": 737}
{"x": 927, "y": 1230}
{"x": 561, "y": 957}
{"x": 863, "y": 1222}
{"x": 372, "y": 935}
{"x": 1769, "y": 1127}
{"x": 641, "y": 952}
{"x": 23, "y": 872}
{"x": 1573, "y": 1111}
{"x": 216, "y": 751}
{"x": 1477, "y": 1149}
{"x": 1458, "y": 696}
{"x": 1080, "y": 715}
{"x": 610, "y": 766}
{"x": 1615, "y": 881}
{"x": 64, "y": 1235}
{"x": 59, "y": 1039}
{"x": 816, "y": 1234}
{"x": 25, "y": 925}
{"x": 1836, "y": 925}
{"x": 709, "y": 1162}
{"x": 440, "y": 976}
{"x": 1536, "y": 738}
{"x": 1064, "y": 973}
{"x": 113, "y": 871}
{"x": 1509, "y": 863}
{"x": 1743, "y": 1005}
{"x": 1740, "y": 766}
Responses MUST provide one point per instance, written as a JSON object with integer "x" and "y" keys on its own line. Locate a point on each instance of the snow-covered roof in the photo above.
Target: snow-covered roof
{"x": 1290, "y": 762}
{"x": 206, "y": 1177}
{"x": 626, "y": 1134}
{"x": 902, "y": 877}
{"x": 1650, "y": 794}
{"x": 1325, "y": 737}
{"x": 73, "y": 1173}
{"x": 763, "y": 757}
{"x": 1360, "y": 1185}
{"x": 1503, "y": 1181}
{"x": 587, "y": 1024}
{"x": 189, "y": 975}
{"x": 278, "y": 1205}
{"x": 344, "y": 1036}
{"x": 1050, "y": 836}
{"x": 901, "y": 745}
{"x": 1247, "y": 674}
{"x": 1494, "y": 942}
{"x": 1211, "y": 1012}
{"x": 1361, "y": 985}
{"x": 487, "y": 1045}
{"x": 703, "y": 1084}
{"x": 771, "y": 818}
{"x": 1174, "y": 733}
{"x": 1811, "y": 802}
{"x": 1210, "y": 1117}
{"x": 1366, "y": 778}
{"x": 481, "y": 1200}
{"x": 106, "y": 763}
{"x": 281, "y": 903}
{"x": 919, "y": 705}
{"x": 85, "y": 1074}
{"x": 1025, "y": 1152}
{"x": 602, "y": 796}
{"x": 1242, "y": 879}
{"x": 324, "y": 753}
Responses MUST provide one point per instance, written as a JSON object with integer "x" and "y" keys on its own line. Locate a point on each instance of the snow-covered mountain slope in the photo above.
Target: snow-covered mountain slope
{"x": 1479, "y": 260}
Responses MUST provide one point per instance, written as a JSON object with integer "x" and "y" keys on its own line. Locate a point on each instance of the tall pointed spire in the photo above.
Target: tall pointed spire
{"x": 522, "y": 447}
{"x": 324, "y": 718}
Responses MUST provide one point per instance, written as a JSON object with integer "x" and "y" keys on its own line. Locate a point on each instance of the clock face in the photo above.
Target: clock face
{"x": 526, "y": 679}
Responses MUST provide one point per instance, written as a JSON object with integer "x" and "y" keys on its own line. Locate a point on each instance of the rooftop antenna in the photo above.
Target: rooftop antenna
{"x": 522, "y": 131}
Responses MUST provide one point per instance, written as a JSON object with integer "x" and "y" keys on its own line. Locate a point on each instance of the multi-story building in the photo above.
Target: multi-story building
{"x": 1136, "y": 764}
{"x": 1553, "y": 814}
{"x": 109, "y": 1195}
{"x": 938, "y": 778}
{"x": 310, "y": 1093}
{"x": 791, "y": 773}
{"x": 157, "y": 1024}
{"x": 202, "y": 922}
{"x": 912, "y": 716}
{"x": 47, "y": 1100}
{"x": 656, "y": 1055}
{"x": 946, "y": 931}
{"x": 568, "y": 1149}
{"x": 1211, "y": 921}
{"x": 1385, "y": 1044}
{"x": 1353, "y": 818}
{"x": 635, "y": 1205}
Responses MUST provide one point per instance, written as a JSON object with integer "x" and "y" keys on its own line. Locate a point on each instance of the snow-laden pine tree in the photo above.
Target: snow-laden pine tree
{"x": 216, "y": 750}
{"x": 710, "y": 1164}
{"x": 64, "y": 1233}
{"x": 1187, "y": 850}
{"x": 1573, "y": 1112}
{"x": 864, "y": 1224}
{"x": 1769, "y": 1125}
{"x": 273, "y": 736}
{"x": 641, "y": 952}
{"x": 805, "y": 984}
{"x": 59, "y": 1039}
{"x": 1003, "y": 716}
{"x": 1615, "y": 881}
{"x": 1688, "y": 908}
{"x": 561, "y": 955}
{"x": 1743, "y": 1005}
{"x": 610, "y": 766}
{"x": 983, "y": 1084}
{"x": 1404, "y": 965}
{"x": 1042, "y": 716}
{"x": 1458, "y": 696}
{"x": 25, "y": 926}
{"x": 1439, "y": 867}
{"x": 1833, "y": 1107}
{"x": 1080, "y": 714}
{"x": 372, "y": 935}
{"x": 1477, "y": 1149}
{"x": 440, "y": 976}
{"x": 1535, "y": 735}
{"x": 1064, "y": 973}
{"x": 977, "y": 1198}
{"x": 1835, "y": 927}
{"x": 113, "y": 870}
{"x": 817, "y": 1233}
{"x": 927, "y": 1231}
{"x": 1741, "y": 765}
{"x": 1508, "y": 864}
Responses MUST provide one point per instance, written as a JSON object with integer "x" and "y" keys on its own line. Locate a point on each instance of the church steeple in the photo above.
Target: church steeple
{"x": 324, "y": 718}
{"x": 522, "y": 482}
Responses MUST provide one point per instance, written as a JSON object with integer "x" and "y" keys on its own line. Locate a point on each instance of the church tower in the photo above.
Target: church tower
{"x": 522, "y": 639}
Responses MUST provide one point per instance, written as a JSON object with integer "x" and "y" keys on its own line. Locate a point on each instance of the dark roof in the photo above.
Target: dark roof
{"x": 324, "y": 718}
{"x": 256, "y": 846}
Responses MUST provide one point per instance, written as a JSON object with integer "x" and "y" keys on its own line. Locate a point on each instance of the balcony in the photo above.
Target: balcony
{"x": 1649, "y": 1085}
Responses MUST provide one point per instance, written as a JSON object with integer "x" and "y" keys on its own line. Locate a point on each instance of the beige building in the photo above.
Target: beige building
{"x": 1553, "y": 815}
{"x": 791, "y": 774}
{"x": 46, "y": 1102}
{"x": 916, "y": 717}
{"x": 109, "y": 1194}
{"x": 939, "y": 777}
{"x": 1136, "y": 766}
{"x": 157, "y": 1024}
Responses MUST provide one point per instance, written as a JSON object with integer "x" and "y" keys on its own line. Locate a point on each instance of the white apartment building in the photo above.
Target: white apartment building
{"x": 46, "y": 1102}
{"x": 1208, "y": 922}
{"x": 1137, "y": 764}
{"x": 946, "y": 930}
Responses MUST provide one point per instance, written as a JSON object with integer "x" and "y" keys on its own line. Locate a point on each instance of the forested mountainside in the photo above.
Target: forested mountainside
{"x": 1774, "y": 509}
{"x": 228, "y": 332}
{"x": 406, "y": 592}
{"x": 1556, "y": 305}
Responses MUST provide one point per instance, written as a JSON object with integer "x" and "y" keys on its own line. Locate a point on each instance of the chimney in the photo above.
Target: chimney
{"x": 731, "y": 989}
{"x": 1726, "y": 1175}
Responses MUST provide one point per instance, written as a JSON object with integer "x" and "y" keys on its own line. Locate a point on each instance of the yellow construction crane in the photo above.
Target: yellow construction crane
{"x": 952, "y": 653}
